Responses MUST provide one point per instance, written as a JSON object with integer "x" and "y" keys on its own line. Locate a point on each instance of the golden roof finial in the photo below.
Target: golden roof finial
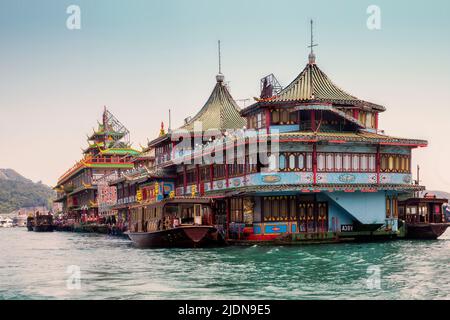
{"x": 162, "y": 131}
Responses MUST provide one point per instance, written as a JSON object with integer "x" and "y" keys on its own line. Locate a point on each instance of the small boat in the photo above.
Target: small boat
{"x": 6, "y": 222}
{"x": 42, "y": 223}
{"x": 30, "y": 223}
{"x": 424, "y": 217}
{"x": 181, "y": 222}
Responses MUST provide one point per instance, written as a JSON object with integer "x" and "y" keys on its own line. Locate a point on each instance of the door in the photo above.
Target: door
{"x": 198, "y": 214}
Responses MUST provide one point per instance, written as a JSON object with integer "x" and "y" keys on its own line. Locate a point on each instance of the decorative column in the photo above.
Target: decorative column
{"x": 227, "y": 201}
{"x": 184, "y": 180}
{"x": 211, "y": 176}
{"x": 197, "y": 173}
{"x": 268, "y": 120}
{"x": 313, "y": 120}
{"x": 314, "y": 162}
{"x": 227, "y": 179}
{"x": 378, "y": 164}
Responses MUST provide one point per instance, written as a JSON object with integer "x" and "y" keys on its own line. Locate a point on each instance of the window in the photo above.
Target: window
{"x": 355, "y": 162}
{"x": 293, "y": 117}
{"x": 395, "y": 163}
{"x": 329, "y": 162}
{"x": 237, "y": 210}
{"x": 272, "y": 162}
{"x": 320, "y": 162}
{"x": 301, "y": 161}
{"x": 363, "y": 162}
{"x": 282, "y": 162}
{"x": 346, "y": 162}
{"x": 388, "y": 207}
{"x": 292, "y": 164}
{"x": 284, "y": 116}
{"x": 280, "y": 208}
{"x": 275, "y": 116}
{"x": 309, "y": 161}
{"x": 372, "y": 163}
{"x": 338, "y": 162}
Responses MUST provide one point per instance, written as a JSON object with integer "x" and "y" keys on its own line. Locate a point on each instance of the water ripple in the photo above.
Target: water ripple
{"x": 34, "y": 266}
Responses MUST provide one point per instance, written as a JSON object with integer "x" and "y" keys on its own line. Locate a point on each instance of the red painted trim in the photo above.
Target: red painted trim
{"x": 228, "y": 218}
{"x": 378, "y": 163}
{"x": 376, "y": 120}
{"x": 314, "y": 163}
{"x": 227, "y": 177}
{"x": 211, "y": 176}
{"x": 356, "y": 114}
{"x": 197, "y": 173}
{"x": 313, "y": 120}
{"x": 268, "y": 120}
{"x": 184, "y": 179}
{"x": 245, "y": 170}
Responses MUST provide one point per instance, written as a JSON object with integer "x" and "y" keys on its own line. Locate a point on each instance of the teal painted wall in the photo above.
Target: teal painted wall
{"x": 365, "y": 207}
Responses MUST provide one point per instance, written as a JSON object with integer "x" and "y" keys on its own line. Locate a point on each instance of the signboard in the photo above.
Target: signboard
{"x": 346, "y": 227}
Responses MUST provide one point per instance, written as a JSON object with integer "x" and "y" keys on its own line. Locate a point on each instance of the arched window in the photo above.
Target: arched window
{"x": 363, "y": 162}
{"x": 272, "y": 162}
{"x": 321, "y": 162}
{"x": 346, "y": 162}
{"x": 391, "y": 163}
{"x": 301, "y": 161}
{"x": 284, "y": 116}
{"x": 275, "y": 116}
{"x": 282, "y": 162}
{"x": 292, "y": 162}
{"x": 338, "y": 162}
{"x": 355, "y": 162}
{"x": 330, "y": 164}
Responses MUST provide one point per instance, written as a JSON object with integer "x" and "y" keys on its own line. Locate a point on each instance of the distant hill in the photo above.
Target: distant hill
{"x": 17, "y": 191}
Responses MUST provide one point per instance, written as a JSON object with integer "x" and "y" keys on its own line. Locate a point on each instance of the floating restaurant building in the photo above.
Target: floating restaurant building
{"x": 83, "y": 190}
{"x": 335, "y": 175}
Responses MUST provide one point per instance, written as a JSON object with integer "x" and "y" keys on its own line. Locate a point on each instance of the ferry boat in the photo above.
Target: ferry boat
{"x": 424, "y": 217}
{"x": 182, "y": 222}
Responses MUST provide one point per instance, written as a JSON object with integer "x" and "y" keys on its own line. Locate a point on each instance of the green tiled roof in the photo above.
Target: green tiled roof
{"x": 313, "y": 85}
{"x": 120, "y": 151}
{"x": 219, "y": 112}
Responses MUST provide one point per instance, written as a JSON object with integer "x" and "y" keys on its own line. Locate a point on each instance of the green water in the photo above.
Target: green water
{"x": 34, "y": 265}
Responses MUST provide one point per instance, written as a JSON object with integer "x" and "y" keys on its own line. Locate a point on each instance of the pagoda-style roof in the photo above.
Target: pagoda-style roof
{"x": 219, "y": 112}
{"x": 342, "y": 137}
{"x": 313, "y": 85}
{"x": 120, "y": 152}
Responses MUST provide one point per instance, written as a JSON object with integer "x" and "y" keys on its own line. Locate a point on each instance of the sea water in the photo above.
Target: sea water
{"x": 63, "y": 265}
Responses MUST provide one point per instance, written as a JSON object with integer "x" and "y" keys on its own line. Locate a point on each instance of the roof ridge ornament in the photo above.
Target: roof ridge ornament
{"x": 220, "y": 77}
{"x": 312, "y": 56}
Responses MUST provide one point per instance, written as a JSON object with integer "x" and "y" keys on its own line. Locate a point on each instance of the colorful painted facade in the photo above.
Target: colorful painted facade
{"x": 335, "y": 174}
{"x": 84, "y": 189}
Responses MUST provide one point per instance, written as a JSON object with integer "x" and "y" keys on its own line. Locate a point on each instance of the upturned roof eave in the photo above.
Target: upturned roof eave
{"x": 282, "y": 103}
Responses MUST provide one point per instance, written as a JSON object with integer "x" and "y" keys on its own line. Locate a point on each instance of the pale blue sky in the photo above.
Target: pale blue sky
{"x": 142, "y": 57}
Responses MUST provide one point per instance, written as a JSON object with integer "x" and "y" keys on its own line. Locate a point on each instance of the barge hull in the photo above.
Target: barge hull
{"x": 430, "y": 231}
{"x": 181, "y": 237}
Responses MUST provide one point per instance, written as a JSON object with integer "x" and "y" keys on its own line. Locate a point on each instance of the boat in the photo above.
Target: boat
{"x": 184, "y": 222}
{"x": 42, "y": 223}
{"x": 424, "y": 217}
{"x": 30, "y": 222}
{"x": 6, "y": 222}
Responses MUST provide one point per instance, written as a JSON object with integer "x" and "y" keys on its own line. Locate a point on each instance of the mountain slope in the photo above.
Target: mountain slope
{"x": 17, "y": 191}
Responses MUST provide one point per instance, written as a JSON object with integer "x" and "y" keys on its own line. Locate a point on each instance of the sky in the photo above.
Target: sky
{"x": 141, "y": 58}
